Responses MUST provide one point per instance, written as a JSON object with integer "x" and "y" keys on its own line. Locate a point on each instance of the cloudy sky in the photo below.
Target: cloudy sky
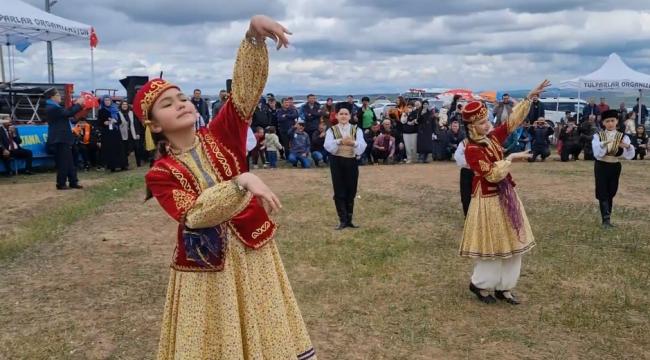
{"x": 346, "y": 46}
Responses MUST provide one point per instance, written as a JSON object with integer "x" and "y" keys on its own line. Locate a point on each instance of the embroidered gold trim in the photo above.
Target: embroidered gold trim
{"x": 485, "y": 166}
{"x": 216, "y": 150}
{"x": 481, "y": 114}
{"x": 612, "y": 148}
{"x": 261, "y": 230}
{"x": 206, "y": 150}
{"x": 182, "y": 200}
{"x": 157, "y": 87}
{"x": 232, "y": 156}
{"x": 184, "y": 183}
{"x": 159, "y": 169}
{"x": 179, "y": 176}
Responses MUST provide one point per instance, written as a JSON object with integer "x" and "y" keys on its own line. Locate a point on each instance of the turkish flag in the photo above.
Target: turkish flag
{"x": 93, "y": 38}
{"x": 90, "y": 101}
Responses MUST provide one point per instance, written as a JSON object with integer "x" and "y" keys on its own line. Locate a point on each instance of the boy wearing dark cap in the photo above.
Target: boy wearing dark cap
{"x": 345, "y": 143}
{"x": 608, "y": 145}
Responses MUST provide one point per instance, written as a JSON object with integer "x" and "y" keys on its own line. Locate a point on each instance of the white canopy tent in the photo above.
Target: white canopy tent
{"x": 23, "y": 24}
{"x": 613, "y": 75}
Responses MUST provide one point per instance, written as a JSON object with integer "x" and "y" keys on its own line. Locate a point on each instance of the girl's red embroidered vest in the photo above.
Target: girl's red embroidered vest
{"x": 176, "y": 188}
{"x": 481, "y": 157}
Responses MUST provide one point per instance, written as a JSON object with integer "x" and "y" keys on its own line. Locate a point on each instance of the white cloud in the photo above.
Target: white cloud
{"x": 346, "y": 46}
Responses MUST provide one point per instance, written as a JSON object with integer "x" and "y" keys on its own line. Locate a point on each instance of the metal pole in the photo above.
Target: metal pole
{"x": 578, "y": 112}
{"x": 2, "y": 63}
{"x": 10, "y": 57}
{"x": 92, "y": 68}
{"x": 638, "y": 115}
{"x": 50, "y": 59}
{"x": 92, "y": 74}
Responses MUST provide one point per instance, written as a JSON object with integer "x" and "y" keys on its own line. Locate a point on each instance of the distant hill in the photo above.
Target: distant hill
{"x": 612, "y": 98}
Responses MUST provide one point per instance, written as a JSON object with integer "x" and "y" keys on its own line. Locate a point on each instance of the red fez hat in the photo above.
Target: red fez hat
{"x": 147, "y": 96}
{"x": 143, "y": 102}
{"x": 474, "y": 111}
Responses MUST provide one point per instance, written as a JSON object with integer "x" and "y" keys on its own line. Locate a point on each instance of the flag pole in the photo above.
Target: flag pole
{"x": 92, "y": 74}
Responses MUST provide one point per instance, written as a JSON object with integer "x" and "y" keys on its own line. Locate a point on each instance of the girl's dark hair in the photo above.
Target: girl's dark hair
{"x": 271, "y": 129}
{"x": 161, "y": 150}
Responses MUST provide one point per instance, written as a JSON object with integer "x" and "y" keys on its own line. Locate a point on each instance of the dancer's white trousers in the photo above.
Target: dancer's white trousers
{"x": 499, "y": 274}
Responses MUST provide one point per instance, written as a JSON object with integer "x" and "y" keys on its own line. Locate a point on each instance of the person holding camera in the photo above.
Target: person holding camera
{"x": 570, "y": 138}
{"x": 539, "y": 137}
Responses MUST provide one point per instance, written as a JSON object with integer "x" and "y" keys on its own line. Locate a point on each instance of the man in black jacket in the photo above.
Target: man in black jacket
{"x": 10, "y": 147}
{"x": 261, "y": 116}
{"x": 60, "y": 138}
{"x": 536, "y": 111}
{"x": 587, "y": 130}
{"x": 201, "y": 106}
{"x": 310, "y": 113}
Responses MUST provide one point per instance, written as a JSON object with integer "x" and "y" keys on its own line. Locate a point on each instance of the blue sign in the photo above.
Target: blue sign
{"x": 34, "y": 138}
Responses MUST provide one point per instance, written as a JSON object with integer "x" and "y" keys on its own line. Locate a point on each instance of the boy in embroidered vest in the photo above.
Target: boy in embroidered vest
{"x": 228, "y": 295}
{"x": 608, "y": 145}
{"x": 497, "y": 232}
{"x": 344, "y": 142}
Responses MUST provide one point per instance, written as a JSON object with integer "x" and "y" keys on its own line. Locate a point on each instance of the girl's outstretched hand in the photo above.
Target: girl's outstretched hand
{"x": 255, "y": 185}
{"x": 263, "y": 27}
{"x": 519, "y": 155}
{"x": 539, "y": 89}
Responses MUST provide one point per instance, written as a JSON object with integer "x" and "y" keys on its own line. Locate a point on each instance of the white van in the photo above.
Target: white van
{"x": 555, "y": 107}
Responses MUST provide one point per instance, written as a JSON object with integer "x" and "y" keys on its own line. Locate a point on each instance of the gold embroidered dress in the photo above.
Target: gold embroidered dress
{"x": 488, "y": 231}
{"x": 239, "y": 306}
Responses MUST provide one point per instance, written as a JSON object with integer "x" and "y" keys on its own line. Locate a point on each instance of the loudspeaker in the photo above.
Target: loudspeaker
{"x": 132, "y": 84}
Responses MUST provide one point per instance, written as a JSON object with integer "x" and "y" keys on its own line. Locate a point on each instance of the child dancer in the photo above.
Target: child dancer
{"x": 608, "y": 145}
{"x": 497, "y": 232}
{"x": 228, "y": 295}
{"x": 345, "y": 143}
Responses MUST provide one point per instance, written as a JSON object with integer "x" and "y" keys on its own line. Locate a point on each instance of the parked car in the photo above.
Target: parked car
{"x": 555, "y": 107}
{"x": 381, "y": 109}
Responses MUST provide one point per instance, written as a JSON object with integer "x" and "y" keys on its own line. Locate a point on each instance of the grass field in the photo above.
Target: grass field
{"x": 393, "y": 289}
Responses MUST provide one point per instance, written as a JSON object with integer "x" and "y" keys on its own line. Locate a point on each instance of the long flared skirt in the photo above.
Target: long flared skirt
{"x": 246, "y": 311}
{"x": 489, "y": 234}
